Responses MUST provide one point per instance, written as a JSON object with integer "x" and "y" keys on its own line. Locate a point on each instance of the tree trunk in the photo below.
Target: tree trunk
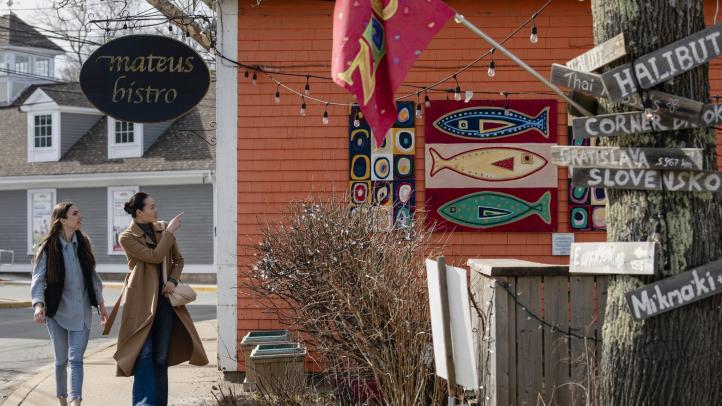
{"x": 674, "y": 358}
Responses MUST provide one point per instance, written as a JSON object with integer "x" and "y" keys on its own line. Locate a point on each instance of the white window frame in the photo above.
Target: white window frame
{"x": 29, "y": 67}
{"x": 111, "y": 215}
{"x": 125, "y": 149}
{"x": 4, "y": 66}
{"x": 44, "y": 154}
{"x": 53, "y": 202}
{"x": 35, "y": 65}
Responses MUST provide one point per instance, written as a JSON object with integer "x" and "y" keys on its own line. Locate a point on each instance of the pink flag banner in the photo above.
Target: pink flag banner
{"x": 375, "y": 43}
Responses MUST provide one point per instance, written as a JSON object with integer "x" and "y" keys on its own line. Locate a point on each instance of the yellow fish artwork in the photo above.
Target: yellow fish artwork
{"x": 490, "y": 164}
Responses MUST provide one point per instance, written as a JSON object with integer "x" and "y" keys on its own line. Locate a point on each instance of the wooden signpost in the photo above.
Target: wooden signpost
{"x": 642, "y": 179}
{"x": 601, "y": 55}
{"x": 676, "y": 291}
{"x": 665, "y": 63}
{"x": 589, "y": 83}
{"x": 612, "y": 125}
{"x": 667, "y": 105}
{"x": 604, "y": 258}
{"x": 627, "y": 158}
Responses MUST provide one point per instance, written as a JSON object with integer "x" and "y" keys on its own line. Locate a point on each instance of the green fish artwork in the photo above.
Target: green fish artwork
{"x": 491, "y": 209}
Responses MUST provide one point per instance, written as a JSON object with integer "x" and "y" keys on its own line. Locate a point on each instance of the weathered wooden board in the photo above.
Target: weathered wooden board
{"x": 582, "y": 323}
{"x": 515, "y": 267}
{"x": 606, "y": 258}
{"x": 556, "y": 346}
{"x": 612, "y": 125}
{"x": 589, "y": 83}
{"x": 668, "y": 105}
{"x": 676, "y": 291}
{"x": 601, "y": 55}
{"x": 627, "y": 158}
{"x": 530, "y": 358}
{"x": 665, "y": 63}
{"x": 643, "y": 179}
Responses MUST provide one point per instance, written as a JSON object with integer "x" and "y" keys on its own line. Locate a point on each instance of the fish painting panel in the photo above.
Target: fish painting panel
{"x": 514, "y": 121}
{"x": 493, "y": 210}
{"x": 489, "y": 165}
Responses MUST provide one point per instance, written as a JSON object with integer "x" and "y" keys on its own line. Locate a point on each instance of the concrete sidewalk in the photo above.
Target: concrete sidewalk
{"x": 187, "y": 384}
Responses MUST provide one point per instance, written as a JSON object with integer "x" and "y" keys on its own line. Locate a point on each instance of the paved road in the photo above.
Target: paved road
{"x": 25, "y": 346}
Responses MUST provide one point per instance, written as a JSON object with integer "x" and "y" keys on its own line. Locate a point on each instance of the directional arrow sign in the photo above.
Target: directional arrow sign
{"x": 676, "y": 291}
{"x": 665, "y": 63}
{"x": 612, "y": 125}
{"x": 627, "y": 158}
{"x": 634, "y": 258}
{"x": 641, "y": 179}
{"x": 589, "y": 83}
{"x": 602, "y": 54}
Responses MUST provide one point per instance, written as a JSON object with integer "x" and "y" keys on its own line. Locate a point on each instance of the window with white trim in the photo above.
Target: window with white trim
{"x": 125, "y": 139}
{"x": 22, "y": 64}
{"x": 42, "y": 67}
{"x": 43, "y": 131}
{"x": 124, "y": 132}
{"x": 3, "y": 65}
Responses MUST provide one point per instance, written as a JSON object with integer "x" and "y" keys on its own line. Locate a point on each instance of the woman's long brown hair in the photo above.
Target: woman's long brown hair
{"x": 60, "y": 211}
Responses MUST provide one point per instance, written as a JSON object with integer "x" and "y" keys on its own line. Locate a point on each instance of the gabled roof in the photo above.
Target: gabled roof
{"x": 63, "y": 94}
{"x": 16, "y": 32}
{"x": 179, "y": 148}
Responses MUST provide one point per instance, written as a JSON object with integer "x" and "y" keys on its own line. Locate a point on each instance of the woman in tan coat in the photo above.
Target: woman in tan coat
{"x": 153, "y": 334}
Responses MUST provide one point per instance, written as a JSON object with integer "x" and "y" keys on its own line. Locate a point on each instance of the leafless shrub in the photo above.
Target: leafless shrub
{"x": 356, "y": 292}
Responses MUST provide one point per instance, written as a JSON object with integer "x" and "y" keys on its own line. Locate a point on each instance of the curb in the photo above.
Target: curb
{"x": 13, "y": 304}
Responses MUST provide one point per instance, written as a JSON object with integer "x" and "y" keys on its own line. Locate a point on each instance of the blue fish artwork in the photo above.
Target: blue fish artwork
{"x": 491, "y": 123}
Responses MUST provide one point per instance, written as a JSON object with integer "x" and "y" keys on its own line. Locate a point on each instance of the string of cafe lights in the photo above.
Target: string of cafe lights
{"x": 252, "y": 71}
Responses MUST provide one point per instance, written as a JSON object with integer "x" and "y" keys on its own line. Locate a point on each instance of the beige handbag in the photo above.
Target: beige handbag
{"x": 182, "y": 294}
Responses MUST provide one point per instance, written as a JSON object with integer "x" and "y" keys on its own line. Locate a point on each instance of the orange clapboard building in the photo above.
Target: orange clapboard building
{"x": 269, "y": 155}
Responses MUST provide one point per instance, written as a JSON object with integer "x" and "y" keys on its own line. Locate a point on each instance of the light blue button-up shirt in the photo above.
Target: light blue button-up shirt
{"x": 74, "y": 310}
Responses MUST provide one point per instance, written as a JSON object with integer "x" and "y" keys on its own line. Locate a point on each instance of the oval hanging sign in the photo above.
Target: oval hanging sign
{"x": 144, "y": 78}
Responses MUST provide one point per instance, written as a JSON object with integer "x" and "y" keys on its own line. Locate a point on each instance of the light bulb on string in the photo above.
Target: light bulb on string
{"x": 307, "y": 88}
{"x": 245, "y": 75}
{"x": 506, "y": 103}
{"x": 254, "y": 79}
{"x": 468, "y": 95}
{"x": 419, "y": 113}
{"x": 170, "y": 28}
{"x": 356, "y": 121}
{"x": 492, "y": 65}
{"x": 457, "y": 90}
{"x": 648, "y": 112}
{"x": 303, "y": 106}
{"x": 277, "y": 97}
{"x": 427, "y": 101}
{"x": 534, "y": 37}
{"x": 324, "y": 120}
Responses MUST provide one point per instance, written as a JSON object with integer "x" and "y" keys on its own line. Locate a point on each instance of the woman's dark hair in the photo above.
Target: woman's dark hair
{"x": 136, "y": 202}
{"x": 60, "y": 211}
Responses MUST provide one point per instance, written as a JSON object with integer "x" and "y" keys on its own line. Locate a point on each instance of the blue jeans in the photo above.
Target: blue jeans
{"x": 69, "y": 347}
{"x": 150, "y": 385}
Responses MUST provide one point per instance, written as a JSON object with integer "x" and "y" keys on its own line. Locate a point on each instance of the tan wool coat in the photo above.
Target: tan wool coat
{"x": 140, "y": 301}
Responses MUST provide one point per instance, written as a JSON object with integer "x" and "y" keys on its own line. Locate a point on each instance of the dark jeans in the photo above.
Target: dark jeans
{"x": 150, "y": 385}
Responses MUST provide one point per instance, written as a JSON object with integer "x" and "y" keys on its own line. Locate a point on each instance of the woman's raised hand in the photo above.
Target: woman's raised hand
{"x": 39, "y": 313}
{"x": 175, "y": 223}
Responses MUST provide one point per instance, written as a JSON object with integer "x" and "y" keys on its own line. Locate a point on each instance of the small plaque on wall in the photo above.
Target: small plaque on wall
{"x": 562, "y": 244}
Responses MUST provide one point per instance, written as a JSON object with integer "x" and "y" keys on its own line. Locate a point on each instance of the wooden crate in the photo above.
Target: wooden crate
{"x": 522, "y": 358}
{"x": 249, "y": 343}
{"x": 279, "y": 368}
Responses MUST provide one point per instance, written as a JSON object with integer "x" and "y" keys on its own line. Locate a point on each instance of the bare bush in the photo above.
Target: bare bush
{"x": 357, "y": 294}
